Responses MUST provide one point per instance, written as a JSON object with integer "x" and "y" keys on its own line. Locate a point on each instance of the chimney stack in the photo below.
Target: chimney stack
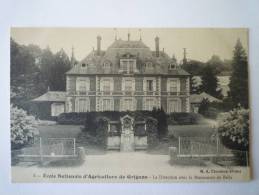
{"x": 157, "y": 46}
{"x": 99, "y": 38}
{"x": 128, "y": 36}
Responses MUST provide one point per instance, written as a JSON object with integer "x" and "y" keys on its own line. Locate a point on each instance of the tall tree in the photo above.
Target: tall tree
{"x": 46, "y": 65}
{"x": 239, "y": 78}
{"x": 209, "y": 83}
{"x": 60, "y": 67}
{"x": 26, "y": 78}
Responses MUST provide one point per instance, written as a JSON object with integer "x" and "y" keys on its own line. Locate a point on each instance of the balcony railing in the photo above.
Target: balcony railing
{"x": 128, "y": 93}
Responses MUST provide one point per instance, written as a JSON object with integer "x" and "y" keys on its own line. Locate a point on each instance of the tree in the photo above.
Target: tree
{"x": 194, "y": 86}
{"x": 239, "y": 78}
{"x": 57, "y": 77}
{"x": 26, "y": 78}
{"x": 193, "y": 67}
{"x": 216, "y": 64}
{"x": 23, "y": 127}
{"x": 209, "y": 83}
{"x": 46, "y": 65}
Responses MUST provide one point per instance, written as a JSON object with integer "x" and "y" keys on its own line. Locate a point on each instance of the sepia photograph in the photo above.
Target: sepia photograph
{"x": 124, "y": 105}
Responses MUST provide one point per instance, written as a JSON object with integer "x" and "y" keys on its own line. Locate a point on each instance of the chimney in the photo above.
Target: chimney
{"x": 99, "y": 38}
{"x": 128, "y": 36}
{"x": 157, "y": 46}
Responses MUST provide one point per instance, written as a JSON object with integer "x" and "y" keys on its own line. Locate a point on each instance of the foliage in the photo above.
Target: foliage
{"x": 204, "y": 106}
{"x": 233, "y": 128}
{"x": 194, "y": 87}
{"x": 90, "y": 119}
{"x": 239, "y": 79}
{"x": 34, "y": 70}
{"x": 210, "y": 82}
{"x": 212, "y": 109}
{"x": 61, "y": 65}
{"x": 26, "y": 79}
{"x": 23, "y": 127}
{"x": 216, "y": 64}
{"x": 183, "y": 118}
{"x": 161, "y": 117}
{"x": 152, "y": 132}
{"x": 193, "y": 67}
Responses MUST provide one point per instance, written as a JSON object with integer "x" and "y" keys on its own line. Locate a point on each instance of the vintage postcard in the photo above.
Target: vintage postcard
{"x": 129, "y": 105}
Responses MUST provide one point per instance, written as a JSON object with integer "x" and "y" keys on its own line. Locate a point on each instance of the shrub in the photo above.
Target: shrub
{"x": 139, "y": 130}
{"x": 233, "y": 129}
{"x": 23, "y": 127}
{"x": 152, "y": 132}
{"x": 162, "y": 128}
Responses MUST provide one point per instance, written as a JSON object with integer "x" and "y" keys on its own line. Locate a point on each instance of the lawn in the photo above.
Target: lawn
{"x": 199, "y": 130}
{"x": 204, "y": 128}
{"x": 67, "y": 131}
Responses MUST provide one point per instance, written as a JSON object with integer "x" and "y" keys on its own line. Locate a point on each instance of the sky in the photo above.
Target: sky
{"x": 200, "y": 43}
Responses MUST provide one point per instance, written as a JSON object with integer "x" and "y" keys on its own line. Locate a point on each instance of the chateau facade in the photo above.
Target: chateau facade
{"x": 127, "y": 76}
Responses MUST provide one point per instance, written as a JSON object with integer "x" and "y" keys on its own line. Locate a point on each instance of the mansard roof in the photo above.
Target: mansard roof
{"x": 128, "y": 44}
{"x": 94, "y": 62}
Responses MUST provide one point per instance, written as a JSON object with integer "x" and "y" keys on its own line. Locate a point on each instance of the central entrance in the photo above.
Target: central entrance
{"x": 127, "y": 134}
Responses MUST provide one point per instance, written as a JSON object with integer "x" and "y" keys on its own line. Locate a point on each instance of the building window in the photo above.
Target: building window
{"x": 57, "y": 109}
{"x": 149, "y": 104}
{"x": 83, "y": 105}
{"x": 128, "y": 104}
{"x": 172, "y": 66}
{"x": 107, "y": 65}
{"x": 107, "y": 105}
{"x": 82, "y": 85}
{"x": 128, "y": 85}
{"x": 150, "y": 85}
{"x": 149, "y": 66}
{"x": 173, "y": 86}
{"x": 174, "y": 105}
{"x": 106, "y": 85}
{"x": 128, "y": 65}
{"x": 124, "y": 64}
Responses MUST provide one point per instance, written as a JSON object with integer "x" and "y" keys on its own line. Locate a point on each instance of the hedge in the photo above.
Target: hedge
{"x": 183, "y": 118}
{"x": 180, "y": 118}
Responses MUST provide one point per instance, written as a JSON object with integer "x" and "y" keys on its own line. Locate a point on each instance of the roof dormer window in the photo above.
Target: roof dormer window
{"x": 107, "y": 64}
{"x": 172, "y": 66}
{"x": 83, "y": 65}
{"x": 128, "y": 65}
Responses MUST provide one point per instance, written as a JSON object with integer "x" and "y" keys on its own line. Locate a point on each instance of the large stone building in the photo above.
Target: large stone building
{"x": 126, "y": 76}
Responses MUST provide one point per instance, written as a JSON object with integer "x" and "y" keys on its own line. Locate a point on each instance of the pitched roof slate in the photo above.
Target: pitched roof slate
{"x": 118, "y": 49}
{"x": 52, "y": 96}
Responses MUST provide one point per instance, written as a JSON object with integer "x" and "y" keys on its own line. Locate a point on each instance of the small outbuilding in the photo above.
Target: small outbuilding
{"x": 196, "y": 99}
{"x": 50, "y": 104}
